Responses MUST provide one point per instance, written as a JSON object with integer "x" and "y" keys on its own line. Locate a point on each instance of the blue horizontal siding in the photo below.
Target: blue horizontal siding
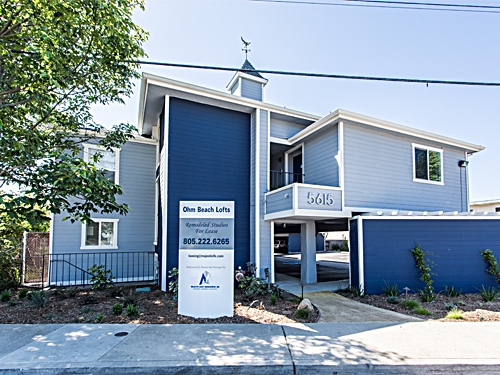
{"x": 251, "y": 90}
{"x": 379, "y": 173}
{"x": 320, "y": 165}
{"x": 453, "y": 247}
{"x": 209, "y": 159}
{"x": 277, "y": 202}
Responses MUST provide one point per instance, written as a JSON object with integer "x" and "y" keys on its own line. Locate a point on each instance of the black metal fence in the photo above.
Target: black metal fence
{"x": 73, "y": 268}
{"x": 280, "y": 178}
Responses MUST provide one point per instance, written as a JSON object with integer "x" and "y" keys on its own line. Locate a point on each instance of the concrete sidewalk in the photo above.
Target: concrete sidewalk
{"x": 377, "y": 347}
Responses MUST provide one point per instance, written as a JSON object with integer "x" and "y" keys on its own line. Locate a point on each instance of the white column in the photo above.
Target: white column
{"x": 308, "y": 253}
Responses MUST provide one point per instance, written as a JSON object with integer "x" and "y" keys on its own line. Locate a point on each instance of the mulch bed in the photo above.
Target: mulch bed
{"x": 156, "y": 307}
{"x": 473, "y": 307}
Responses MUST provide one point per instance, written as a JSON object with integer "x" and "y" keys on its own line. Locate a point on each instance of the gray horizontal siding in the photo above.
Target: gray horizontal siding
{"x": 235, "y": 86}
{"x": 251, "y": 90}
{"x": 266, "y": 247}
{"x": 453, "y": 246}
{"x": 277, "y": 201}
{"x": 303, "y": 194}
{"x": 320, "y": 165}
{"x": 284, "y": 129}
{"x": 135, "y": 230}
{"x": 379, "y": 173}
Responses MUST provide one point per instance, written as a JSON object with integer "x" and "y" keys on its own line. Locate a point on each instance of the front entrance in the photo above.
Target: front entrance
{"x": 319, "y": 264}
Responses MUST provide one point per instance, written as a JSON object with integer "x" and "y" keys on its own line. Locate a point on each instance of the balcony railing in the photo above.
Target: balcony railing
{"x": 281, "y": 178}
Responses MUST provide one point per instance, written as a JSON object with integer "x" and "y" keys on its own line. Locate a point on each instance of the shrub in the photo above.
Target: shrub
{"x": 9, "y": 268}
{"x": 276, "y": 291}
{"x": 454, "y": 314}
{"x": 392, "y": 299}
{"x": 490, "y": 259}
{"x": 101, "y": 278}
{"x": 273, "y": 298}
{"x": 302, "y": 314}
{"x": 116, "y": 291}
{"x": 390, "y": 289}
{"x": 451, "y": 291}
{"x": 489, "y": 293}
{"x": 421, "y": 311}
{"x": 410, "y": 304}
{"x": 450, "y": 306}
{"x": 22, "y": 293}
{"x": 117, "y": 309}
{"x": 357, "y": 291}
{"x": 345, "y": 245}
{"x": 37, "y": 298}
{"x": 131, "y": 299}
{"x": 6, "y": 295}
{"x": 424, "y": 265}
{"x": 99, "y": 318}
{"x": 173, "y": 286}
{"x": 252, "y": 286}
{"x": 131, "y": 310}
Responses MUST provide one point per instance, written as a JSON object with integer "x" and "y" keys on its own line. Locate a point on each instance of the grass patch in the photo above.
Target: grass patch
{"x": 302, "y": 314}
{"x": 410, "y": 304}
{"x": 421, "y": 311}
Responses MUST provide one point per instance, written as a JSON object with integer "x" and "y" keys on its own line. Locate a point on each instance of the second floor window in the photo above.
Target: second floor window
{"x": 427, "y": 164}
{"x": 108, "y": 162}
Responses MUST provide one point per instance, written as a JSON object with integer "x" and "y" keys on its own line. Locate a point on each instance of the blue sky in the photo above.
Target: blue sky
{"x": 342, "y": 40}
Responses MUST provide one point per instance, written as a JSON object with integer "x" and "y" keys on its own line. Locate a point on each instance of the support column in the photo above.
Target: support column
{"x": 308, "y": 253}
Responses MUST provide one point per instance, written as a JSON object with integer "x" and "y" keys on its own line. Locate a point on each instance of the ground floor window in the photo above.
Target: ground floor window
{"x": 100, "y": 234}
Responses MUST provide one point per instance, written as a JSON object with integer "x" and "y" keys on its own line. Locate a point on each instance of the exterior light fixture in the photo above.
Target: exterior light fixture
{"x": 463, "y": 163}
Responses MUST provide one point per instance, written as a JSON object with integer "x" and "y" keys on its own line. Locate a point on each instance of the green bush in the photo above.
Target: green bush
{"x": 424, "y": 265}
{"x": 101, "y": 278}
{"x": 37, "y": 298}
{"x": 9, "y": 268}
{"x": 117, "y": 309}
{"x": 390, "y": 289}
{"x": 421, "y": 311}
{"x": 393, "y": 299}
{"x": 173, "y": 286}
{"x": 454, "y": 314}
{"x": 131, "y": 310}
{"x": 489, "y": 293}
{"x": 345, "y": 245}
{"x": 490, "y": 259}
{"x": 6, "y": 295}
{"x": 22, "y": 293}
{"x": 273, "y": 299}
{"x": 410, "y": 304}
{"x": 252, "y": 286}
{"x": 99, "y": 318}
{"x": 302, "y": 314}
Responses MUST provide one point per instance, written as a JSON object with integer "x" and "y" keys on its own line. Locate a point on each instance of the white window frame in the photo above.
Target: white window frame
{"x": 427, "y": 148}
{"x": 87, "y": 146}
{"x": 83, "y": 246}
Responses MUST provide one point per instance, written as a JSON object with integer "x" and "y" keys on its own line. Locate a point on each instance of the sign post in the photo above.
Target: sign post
{"x": 206, "y": 258}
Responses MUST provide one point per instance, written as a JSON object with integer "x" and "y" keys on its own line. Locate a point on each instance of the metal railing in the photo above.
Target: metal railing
{"x": 73, "y": 268}
{"x": 281, "y": 178}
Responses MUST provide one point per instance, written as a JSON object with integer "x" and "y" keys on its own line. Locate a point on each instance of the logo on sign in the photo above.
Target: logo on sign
{"x": 205, "y": 278}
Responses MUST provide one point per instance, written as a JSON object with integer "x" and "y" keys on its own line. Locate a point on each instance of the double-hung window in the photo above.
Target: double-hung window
{"x": 100, "y": 234}
{"x": 108, "y": 163}
{"x": 427, "y": 164}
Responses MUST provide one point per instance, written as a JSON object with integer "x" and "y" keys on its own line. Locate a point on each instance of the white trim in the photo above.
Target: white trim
{"x": 350, "y": 247}
{"x": 268, "y": 151}
{"x": 312, "y": 186}
{"x": 272, "y": 252}
{"x": 278, "y": 190}
{"x": 87, "y": 146}
{"x": 100, "y": 247}
{"x": 293, "y": 152}
{"x": 495, "y": 216}
{"x": 164, "y": 271}
{"x": 280, "y": 141}
{"x": 467, "y": 180}
{"x": 257, "y": 193}
{"x": 295, "y": 202}
{"x": 51, "y": 234}
{"x": 427, "y": 148}
{"x": 361, "y": 265}
{"x": 341, "y": 114}
{"x": 301, "y": 214}
{"x": 341, "y": 164}
{"x": 171, "y": 84}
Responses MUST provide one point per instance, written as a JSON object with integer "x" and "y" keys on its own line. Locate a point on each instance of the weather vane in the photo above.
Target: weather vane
{"x": 245, "y": 49}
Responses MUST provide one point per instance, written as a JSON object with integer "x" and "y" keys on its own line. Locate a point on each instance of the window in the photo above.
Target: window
{"x": 427, "y": 164}
{"x": 108, "y": 163}
{"x": 497, "y": 209}
{"x": 100, "y": 234}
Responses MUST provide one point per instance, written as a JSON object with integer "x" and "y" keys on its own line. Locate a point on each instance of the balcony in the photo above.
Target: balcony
{"x": 299, "y": 201}
{"x": 281, "y": 178}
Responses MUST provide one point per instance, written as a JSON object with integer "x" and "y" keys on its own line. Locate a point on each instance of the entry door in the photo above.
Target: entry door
{"x": 297, "y": 168}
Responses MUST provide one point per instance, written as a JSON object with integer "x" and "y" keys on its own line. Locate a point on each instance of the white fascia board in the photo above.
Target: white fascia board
{"x": 340, "y": 114}
{"x": 300, "y": 215}
{"x": 142, "y": 103}
{"x": 281, "y": 141}
{"x": 250, "y": 77}
{"x": 485, "y": 203}
{"x": 223, "y": 96}
{"x": 135, "y": 138}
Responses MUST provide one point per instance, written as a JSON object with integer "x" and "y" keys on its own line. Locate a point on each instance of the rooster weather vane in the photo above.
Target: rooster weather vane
{"x": 245, "y": 49}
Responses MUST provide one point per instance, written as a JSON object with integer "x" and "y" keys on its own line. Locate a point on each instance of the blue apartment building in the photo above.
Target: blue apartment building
{"x": 287, "y": 171}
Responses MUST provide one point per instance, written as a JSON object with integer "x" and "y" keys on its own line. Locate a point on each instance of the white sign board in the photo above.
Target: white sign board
{"x": 206, "y": 258}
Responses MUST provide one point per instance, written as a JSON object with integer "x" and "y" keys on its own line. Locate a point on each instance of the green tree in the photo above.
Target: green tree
{"x": 57, "y": 58}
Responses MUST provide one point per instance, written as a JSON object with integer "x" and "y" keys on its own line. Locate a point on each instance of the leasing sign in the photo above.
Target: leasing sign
{"x": 206, "y": 258}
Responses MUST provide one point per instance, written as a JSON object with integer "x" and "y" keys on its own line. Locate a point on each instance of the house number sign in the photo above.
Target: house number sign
{"x": 320, "y": 199}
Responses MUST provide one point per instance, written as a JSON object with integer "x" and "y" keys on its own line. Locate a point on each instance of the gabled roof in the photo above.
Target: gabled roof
{"x": 248, "y": 66}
